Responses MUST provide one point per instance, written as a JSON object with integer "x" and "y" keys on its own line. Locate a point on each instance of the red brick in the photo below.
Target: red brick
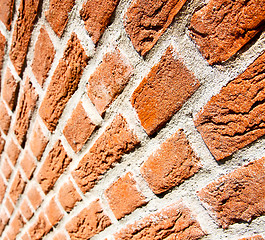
{"x": 237, "y": 196}
{"x": 9, "y": 206}
{"x": 2, "y": 189}
{"x": 38, "y": 142}
{"x": 53, "y": 212}
{"x": 163, "y": 91}
{"x": 124, "y": 197}
{"x": 60, "y": 236}
{"x": 2, "y": 50}
{"x": 68, "y": 196}
{"x": 88, "y": 222}
{"x": 6, "y": 12}
{"x": 5, "y": 118}
{"x": 34, "y": 197}
{"x": 25, "y": 210}
{"x": 53, "y": 167}
{"x": 26, "y": 106}
{"x": 40, "y": 228}
{"x": 12, "y": 151}
{"x": 3, "y": 220}
{"x": 2, "y": 143}
{"x": 171, "y": 164}
{"x": 57, "y": 15}
{"x": 27, "y": 15}
{"x": 78, "y": 128}
{"x": 109, "y": 80}
{"x": 109, "y": 148}
{"x": 222, "y": 28}
{"x": 28, "y": 165}
{"x": 43, "y": 56}
{"x": 10, "y": 90}
{"x": 234, "y": 118}
{"x": 15, "y": 226}
{"x": 64, "y": 82}
{"x": 256, "y": 237}
{"x": 97, "y": 14}
{"x": 17, "y": 187}
{"x": 6, "y": 168}
{"x": 172, "y": 222}
{"x": 146, "y": 21}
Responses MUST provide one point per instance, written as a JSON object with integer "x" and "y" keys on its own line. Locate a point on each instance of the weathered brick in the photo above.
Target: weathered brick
{"x": 53, "y": 167}
{"x": 88, "y": 222}
{"x": 17, "y": 187}
{"x": 223, "y": 27}
{"x": 26, "y": 210}
{"x": 146, "y": 21}
{"x": 34, "y": 197}
{"x": 171, "y": 164}
{"x": 2, "y": 189}
{"x": 256, "y": 237}
{"x": 40, "y": 228}
{"x": 28, "y": 165}
{"x": 26, "y": 106}
{"x": 9, "y": 206}
{"x": 64, "y": 82}
{"x": 78, "y": 128}
{"x": 172, "y": 222}
{"x": 10, "y": 90}
{"x": 15, "y": 226}
{"x": 6, "y": 12}
{"x": 109, "y": 80}
{"x": 237, "y": 196}
{"x": 124, "y": 197}
{"x": 6, "y": 168}
{"x": 60, "y": 236}
{"x": 163, "y": 91}
{"x": 12, "y": 151}
{"x": 27, "y": 15}
{"x": 2, "y": 51}
{"x": 234, "y": 118}
{"x": 57, "y": 15}
{"x": 3, "y": 220}
{"x": 25, "y": 237}
{"x": 5, "y": 118}
{"x": 117, "y": 140}
{"x": 53, "y": 212}
{"x": 68, "y": 196}
{"x": 2, "y": 143}
{"x": 38, "y": 141}
{"x": 43, "y": 56}
{"x": 97, "y": 14}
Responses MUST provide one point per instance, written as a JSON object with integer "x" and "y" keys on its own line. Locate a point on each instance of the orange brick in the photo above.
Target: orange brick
{"x": 5, "y": 118}
{"x": 60, "y": 236}
{"x": 2, "y": 143}
{"x": 2, "y": 49}
{"x": 256, "y": 237}
{"x": 17, "y": 187}
{"x": 3, "y": 220}
{"x": 25, "y": 210}
{"x": 2, "y": 189}
{"x": 6, "y": 168}
{"x": 6, "y": 12}
{"x": 13, "y": 151}
{"x": 53, "y": 212}
{"x": 9, "y": 205}
{"x": 34, "y": 197}
{"x": 28, "y": 164}
{"x": 15, "y": 226}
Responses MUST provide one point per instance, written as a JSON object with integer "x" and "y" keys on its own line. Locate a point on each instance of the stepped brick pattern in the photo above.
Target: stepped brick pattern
{"x": 131, "y": 119}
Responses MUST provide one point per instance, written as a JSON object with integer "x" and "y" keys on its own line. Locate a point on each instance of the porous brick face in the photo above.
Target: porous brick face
{"x": 257, "y": 237}
{"x": 2, "y": 189}
{"x": 9, "y": 206}
{"x": 53, "y": 212}
{"x": 2, "y": 50}
{"x": 34, "y": 197}
{"x": 3, "y": 220}
{"x": 2, "y": 143}
{"x": 17, "y": 187}
{"x": 15, "y": 226}
{"x": 12, "y": 151}
{"x": 6, "y": 168}
{"x": 163, "y": 91}
{"x": 5, "y": 118}
{"x": 26, "y": 210}
{"x": 28, "y": 164}
{"x": 6, "y": 12}
{"x": 60, "y": 236}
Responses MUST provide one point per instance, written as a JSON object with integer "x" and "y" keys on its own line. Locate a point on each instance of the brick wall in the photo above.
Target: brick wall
{"x": 132, "y": 119}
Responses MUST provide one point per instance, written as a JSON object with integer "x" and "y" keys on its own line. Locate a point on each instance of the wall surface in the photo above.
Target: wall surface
{"x": 132, "y": 119}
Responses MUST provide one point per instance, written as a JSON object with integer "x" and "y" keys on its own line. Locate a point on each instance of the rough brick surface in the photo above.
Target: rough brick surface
{"x": 43, "y": 56}
{"x": 5, "y": 118}
{"x": 34, "y": 197}
{"x": 88, "y": 222}
{"x": 223, "y": 27}
{"x": 2, "y": 143}
{"x": 17, "y": 187}
{"x": 26, "y": 210}
{"x": 10, "y": 90}
{"x": 25, "y": 237}
{"x": 9, "y": 205}
{"x": 117, "y": 140}
{"x": 22, "y": 33}
{"x": 171, "y": 164}
{"x": 163, "y": 92}
{"x": 146, "y": 21}
{"x": 2, "y": 189}
{"x": 3, "y": 220}
{"x": 78, "y": 128}
{"x": 6, "y": 7}
{"x": 57, "y": 15}
{"x": 28, "y": 165}
{"x": 68, "y": 196}
{"x": 237, "y": 196}
{"x": 15, "y": 226}
{"x": 172, "y": 222}
{"x": 97, "y": 14}
{"x": 6, "y": 168}
{"x": 54, "y": 165}
{"x": 109, "y": 79}
{"x": 234, "y": 118}
{"x": 60, "y": 236}
{"x": 53, "y": 212}
{"x": 256, "y": 237}
{"x": 64, "y": 82}
{"x": 2, "y": 50}
{"x": 26, "y": 106}
{"x": 12, "y": 151}
{"x": 124, "y": 197}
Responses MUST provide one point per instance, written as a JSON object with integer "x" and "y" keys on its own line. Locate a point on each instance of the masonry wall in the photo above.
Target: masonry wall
{"x": 132, "y": 119}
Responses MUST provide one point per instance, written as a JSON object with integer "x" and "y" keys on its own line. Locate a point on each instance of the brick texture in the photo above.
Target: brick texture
{"x": 2, "y": 189}
{"x": 17, "y": 187}
{"x": 6, "y": 168}
{"x": 256, "y": 237}
{"x": 34, "y": 197}
{"x": 2, "y": 49}
{"x": 15, "y": 226}
{"x": 109, "y": 80}
{"x": 6, "y": 12}
{"x": 43, "y": 56}
{"x": 2, "y": 143}
{"x": 221, "y": 28}
{"x": 234, "y": 118}
{"x": 13, "y": 151}
{"x": 53, "y": 212}
{"x": 5, "y": 118}
{"x": 172, "y": 222}
{"x": 96, "y": 15}
{"x": 60, "y": 236}
{"x": 117, "y": 140}
{"x": 163, "y": 91}
{"x": 28, "y": 165}
{"x": 3, "y": 220}
{"x": 64, "y": 82}
{"x": 238, "y": 196}
{"x": 88, "y": 222}
{"x": 124, "y": 197}
{"x": 9, "y": 205}
{"x": 146, "y": 21}
{"x": 26, "y": 210}
{"x": 53, "y": 166}
{"x": 27, "y": 15}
